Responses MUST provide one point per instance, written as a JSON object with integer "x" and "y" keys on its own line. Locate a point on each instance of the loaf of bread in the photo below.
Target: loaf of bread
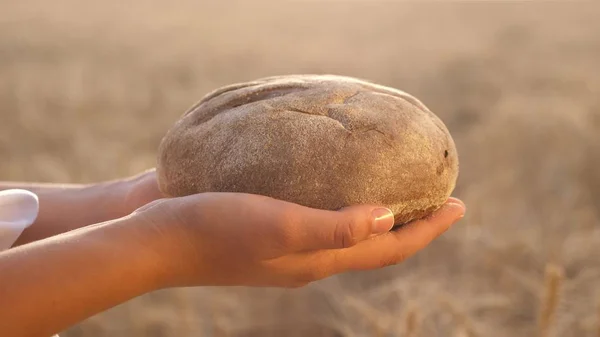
{"x": 322, "y": 141}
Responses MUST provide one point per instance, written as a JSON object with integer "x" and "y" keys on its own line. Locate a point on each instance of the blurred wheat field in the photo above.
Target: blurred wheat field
{"x": 87, "y": 90}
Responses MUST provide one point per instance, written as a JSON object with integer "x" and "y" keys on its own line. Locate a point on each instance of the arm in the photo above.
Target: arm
{"x": 64, "y": 207}
{"x": 198, "y": 240}
{"x": 106, "y": 264}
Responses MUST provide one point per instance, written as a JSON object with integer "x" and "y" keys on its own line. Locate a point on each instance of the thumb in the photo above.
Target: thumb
{"x": 18, "y": 210}
{"x": 322, "y": 229}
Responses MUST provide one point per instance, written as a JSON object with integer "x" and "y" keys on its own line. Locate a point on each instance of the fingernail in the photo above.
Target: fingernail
{"x": 18, "y": 210}
{"x": 457, "y": 210}
{"x": 383, "y": 220}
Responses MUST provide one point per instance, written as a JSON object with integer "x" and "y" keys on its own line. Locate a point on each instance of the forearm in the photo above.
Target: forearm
{"x": 49, "y": 285}
{"x": 64, "y": 207}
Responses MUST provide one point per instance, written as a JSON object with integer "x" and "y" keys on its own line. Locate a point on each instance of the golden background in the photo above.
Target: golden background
{"x": 87, "y": 90}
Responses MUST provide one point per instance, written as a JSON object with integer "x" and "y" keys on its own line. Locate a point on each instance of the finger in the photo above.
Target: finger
{"x": 313, "y": 229}
{"x": 456, "y": 201}
{"x": 394, "y": 247}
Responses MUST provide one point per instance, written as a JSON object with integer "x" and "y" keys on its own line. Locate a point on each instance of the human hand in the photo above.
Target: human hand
{"x": 229, "y": 239}
{"x": 65, "y": 207}
{"x": 140, "y": 190}
{"x": 200, "y": 240}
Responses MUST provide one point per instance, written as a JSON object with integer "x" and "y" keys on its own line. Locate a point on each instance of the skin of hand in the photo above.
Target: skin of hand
{"x": 85, "y": 204}
{"x": 241, "y": 239}
{"x": 209, "y": 239}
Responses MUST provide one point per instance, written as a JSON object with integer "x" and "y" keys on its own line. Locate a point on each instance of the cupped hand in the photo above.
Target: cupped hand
{"x": 140, "y": 190}
{"x": 229, "y": 239}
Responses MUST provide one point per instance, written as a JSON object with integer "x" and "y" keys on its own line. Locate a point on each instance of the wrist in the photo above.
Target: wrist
{"x": 118, "y": 198}
{"x": 110, "y": 198}
{"x": 166, "y": 241}
{"x": 138, "y": 191}
{"x": 152, "y": 250}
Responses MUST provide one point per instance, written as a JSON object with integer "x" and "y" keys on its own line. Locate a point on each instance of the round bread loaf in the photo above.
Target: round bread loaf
{"x": 322, "y": 141}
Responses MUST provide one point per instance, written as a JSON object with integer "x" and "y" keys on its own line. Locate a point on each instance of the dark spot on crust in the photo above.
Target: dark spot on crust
{"x": 440, "y": 169}
{"x": 446, "y": 154}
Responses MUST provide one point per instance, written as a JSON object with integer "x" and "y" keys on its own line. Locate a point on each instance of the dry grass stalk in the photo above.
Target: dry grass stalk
{"x": 376, "y": 318}
{"x": 464, "y": 325}
{"x": 136, "y": 320}
{"x": 185, "y": 309}
{"x": 378, "y": 330}
{"x": 551, "y": 295}
{"x": 598, "y": 318}
{"x": 411, "y": 322}
{"x": 216, "y": 313}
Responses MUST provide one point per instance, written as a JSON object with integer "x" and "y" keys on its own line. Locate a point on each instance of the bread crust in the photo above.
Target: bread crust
{"x": 322, "y": 141}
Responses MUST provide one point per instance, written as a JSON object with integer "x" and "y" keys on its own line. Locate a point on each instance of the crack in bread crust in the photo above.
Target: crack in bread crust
{"x": 319, "y": 141}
